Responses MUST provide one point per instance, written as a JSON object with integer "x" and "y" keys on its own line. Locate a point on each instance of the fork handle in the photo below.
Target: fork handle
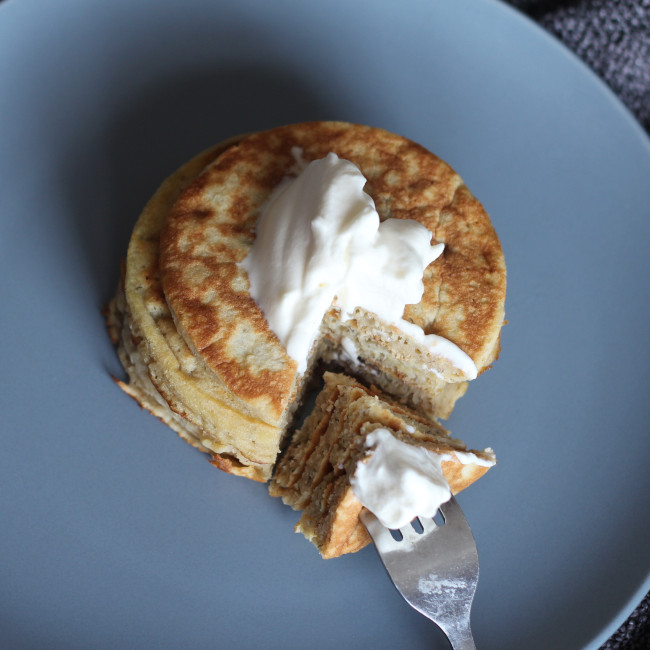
{"x": 460, "y": 636}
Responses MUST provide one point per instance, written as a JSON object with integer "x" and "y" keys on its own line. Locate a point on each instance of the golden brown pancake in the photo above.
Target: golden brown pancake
{"x": 313, "y": 475}
{"x": 198, "y": 349}
{"x": 165, "y": 376}
{"x": 211, "y": 229}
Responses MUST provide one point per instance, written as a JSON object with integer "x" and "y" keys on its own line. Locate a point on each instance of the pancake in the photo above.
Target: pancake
{"x": 313, "y": 475}
{"x": 165, "y": 377}
{"x": 198, "y": 350}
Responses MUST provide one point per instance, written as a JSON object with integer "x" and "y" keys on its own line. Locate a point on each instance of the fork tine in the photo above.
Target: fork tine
{"x": 428, "y": 524}
{"x": 451, "y": 508}
{"x": 409, "y": 534}
{"x": 380, "y": 534}
{"x": 455, "y": 519}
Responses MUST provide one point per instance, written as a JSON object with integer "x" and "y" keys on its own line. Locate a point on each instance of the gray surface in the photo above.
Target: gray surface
{"x": 112, "y": 531}
{"x": 613, "y": 38}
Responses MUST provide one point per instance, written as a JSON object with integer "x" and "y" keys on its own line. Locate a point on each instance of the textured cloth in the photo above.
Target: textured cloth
{"x": 613, "y": 38}
{"x": 634, "y": 634}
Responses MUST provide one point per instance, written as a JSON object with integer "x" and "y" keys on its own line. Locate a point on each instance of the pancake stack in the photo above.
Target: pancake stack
{"x": 313, "y": 475}
{"x": 197, "y": 348}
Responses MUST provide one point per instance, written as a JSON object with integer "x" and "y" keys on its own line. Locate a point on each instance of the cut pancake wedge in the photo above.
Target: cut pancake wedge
{"x": 313, "y": 475}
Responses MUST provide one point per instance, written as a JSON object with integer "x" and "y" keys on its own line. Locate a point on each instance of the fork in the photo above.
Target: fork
{"x": 435, "y": 569}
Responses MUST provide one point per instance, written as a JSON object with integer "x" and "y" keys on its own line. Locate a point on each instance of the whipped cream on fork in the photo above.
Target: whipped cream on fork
{"x": 399, "y": 482}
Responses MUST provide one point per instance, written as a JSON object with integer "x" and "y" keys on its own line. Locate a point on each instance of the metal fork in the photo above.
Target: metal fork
{"x": 435, "y": 570}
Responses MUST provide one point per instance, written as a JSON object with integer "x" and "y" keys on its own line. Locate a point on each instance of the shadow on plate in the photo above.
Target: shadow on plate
{"x": 110, "y": 174}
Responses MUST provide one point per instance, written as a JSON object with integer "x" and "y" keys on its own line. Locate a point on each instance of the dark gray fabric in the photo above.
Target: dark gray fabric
{"x": 634, "y": 634}
{"x": 613, "y": 38}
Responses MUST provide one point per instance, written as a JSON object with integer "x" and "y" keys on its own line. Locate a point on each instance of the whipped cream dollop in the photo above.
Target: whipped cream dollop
{"x": 399, "y": 482}
{"x": 319, "y": 241}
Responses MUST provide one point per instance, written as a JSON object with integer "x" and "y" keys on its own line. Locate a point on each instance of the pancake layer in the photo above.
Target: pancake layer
{"x": 165, "y": 376}
{"x": 211, "y": 228}
{"x": 197, "y": 347}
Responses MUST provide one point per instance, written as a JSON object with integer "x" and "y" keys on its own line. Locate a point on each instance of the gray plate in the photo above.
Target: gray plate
{"x": 113, "y": 532}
